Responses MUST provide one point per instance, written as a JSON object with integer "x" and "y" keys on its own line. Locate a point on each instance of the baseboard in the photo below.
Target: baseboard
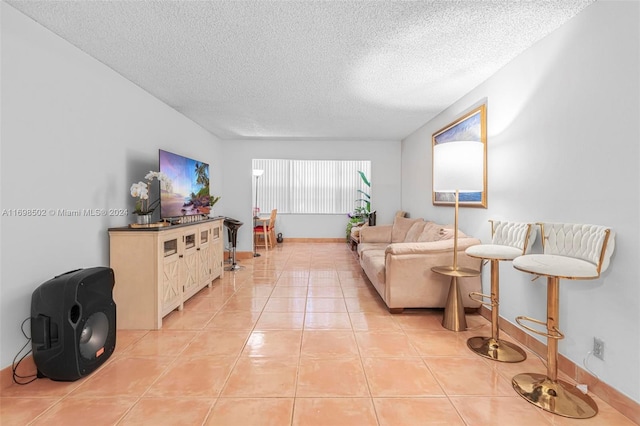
{"x": 611, "y": 396}
{"x": 243, "y": 255}
{"x": 314, "y": 240}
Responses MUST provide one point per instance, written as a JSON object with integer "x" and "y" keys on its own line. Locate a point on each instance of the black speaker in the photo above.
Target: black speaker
{"x": 73, "y": 323}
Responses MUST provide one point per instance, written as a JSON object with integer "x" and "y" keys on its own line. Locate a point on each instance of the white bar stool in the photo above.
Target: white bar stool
{"x": 508, "y": 241}
{"x": 574, "y": 252}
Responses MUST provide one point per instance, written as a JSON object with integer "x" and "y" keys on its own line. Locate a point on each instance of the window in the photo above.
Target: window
{"x": 310, "y": 186}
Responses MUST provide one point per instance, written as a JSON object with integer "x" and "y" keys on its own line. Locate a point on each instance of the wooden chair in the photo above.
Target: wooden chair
{"x": 265, "y": 230}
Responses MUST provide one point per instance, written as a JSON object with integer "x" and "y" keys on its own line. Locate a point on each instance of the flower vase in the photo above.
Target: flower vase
{"x": 144, "y": 219}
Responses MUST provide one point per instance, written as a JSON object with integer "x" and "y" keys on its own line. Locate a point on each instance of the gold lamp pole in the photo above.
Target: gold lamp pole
{"x": 458, "y": 166}
{"x": 256, "y": 173}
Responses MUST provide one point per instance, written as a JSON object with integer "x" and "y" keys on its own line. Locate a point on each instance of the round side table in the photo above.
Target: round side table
{"x": 454, "y": 318}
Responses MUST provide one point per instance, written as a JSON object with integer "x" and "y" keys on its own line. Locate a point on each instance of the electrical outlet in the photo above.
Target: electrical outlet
{"x": 598, "y": 348}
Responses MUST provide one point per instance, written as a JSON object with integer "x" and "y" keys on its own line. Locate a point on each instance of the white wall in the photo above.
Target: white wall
{"x": 385, "y": 181}
{"x": 74, "y": 135}
{"x": 563, "y": 146}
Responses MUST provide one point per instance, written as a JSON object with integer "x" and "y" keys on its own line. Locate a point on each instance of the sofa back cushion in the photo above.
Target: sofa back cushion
{"x": 415, "y": 231}
{"x": 401, "y": 226}
{"x": 430, "y": 232}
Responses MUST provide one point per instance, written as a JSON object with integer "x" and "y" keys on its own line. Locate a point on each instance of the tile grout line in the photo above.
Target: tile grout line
{"x": 360, "y": 357}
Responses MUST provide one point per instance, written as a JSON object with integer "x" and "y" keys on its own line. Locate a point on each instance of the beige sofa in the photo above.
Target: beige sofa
{"x": 398, "y": 259}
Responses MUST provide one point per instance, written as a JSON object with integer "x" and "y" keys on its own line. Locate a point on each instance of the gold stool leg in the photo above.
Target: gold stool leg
{"x": 492, "y": 347}
{"x": 547, "y": 392}
{"x": 454, "y": 318}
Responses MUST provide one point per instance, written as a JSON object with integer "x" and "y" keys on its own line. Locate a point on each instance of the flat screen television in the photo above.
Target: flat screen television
{"x": 188, "y": 192}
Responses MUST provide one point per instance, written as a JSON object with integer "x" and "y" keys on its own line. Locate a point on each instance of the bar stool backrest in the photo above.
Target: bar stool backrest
{"x": 514, "y": 234}
{"x": 592, "y": 243}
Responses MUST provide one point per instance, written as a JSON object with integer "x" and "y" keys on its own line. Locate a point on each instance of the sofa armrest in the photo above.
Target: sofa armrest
{"x": 410, "y": 282}
{"x": 376, "y": 234}
{"x": 430, "y": 246}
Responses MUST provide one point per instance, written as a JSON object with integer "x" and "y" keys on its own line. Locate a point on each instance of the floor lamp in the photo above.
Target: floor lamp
{"x": 256, "y": 174}
{"x": 458, "y": 166}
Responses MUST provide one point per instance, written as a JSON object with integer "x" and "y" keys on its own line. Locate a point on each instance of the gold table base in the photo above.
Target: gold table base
{"x": 555, "y": 396}
{"x": 497, "y": 350}
{"x": 454, "y": 318}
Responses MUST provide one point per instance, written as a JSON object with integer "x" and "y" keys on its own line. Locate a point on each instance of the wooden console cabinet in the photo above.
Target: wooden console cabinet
{"x": 158, "y": 268}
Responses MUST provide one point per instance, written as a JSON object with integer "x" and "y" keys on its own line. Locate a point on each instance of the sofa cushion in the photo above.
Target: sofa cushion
{"x": 415, "y": 231}
{"x": 373, "y": 264}
{"x": 431, "y": 232}
{"x": 401, "y": 226}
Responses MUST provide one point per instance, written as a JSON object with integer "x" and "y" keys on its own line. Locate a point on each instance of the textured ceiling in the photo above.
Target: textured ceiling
{"x": 366, "y": 70}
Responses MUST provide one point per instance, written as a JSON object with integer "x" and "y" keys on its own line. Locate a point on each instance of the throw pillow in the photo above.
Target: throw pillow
{"x": 400, "y": 228}
{"x": 431, "y": 232}
{"x": 446, "y": 233}
{"x": 415, "y": 231}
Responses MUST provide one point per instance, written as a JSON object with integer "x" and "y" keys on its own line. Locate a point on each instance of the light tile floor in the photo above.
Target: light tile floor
{"x": 298, "y": 337}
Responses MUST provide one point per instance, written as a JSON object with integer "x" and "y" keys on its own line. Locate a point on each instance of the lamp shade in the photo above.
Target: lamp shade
{"x": 258, "y": 172}
{"x": 458, "y": 166}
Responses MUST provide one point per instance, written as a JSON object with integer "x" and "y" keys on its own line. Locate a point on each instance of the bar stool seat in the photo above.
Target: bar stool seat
{"x": 557, "y": 266}
{"x": 494, "y": 251}
{"x": 509, "y": 241}
{"x": 575, "y": 252}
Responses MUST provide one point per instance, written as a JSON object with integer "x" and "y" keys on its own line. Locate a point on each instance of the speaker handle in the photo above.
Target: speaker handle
{"x": 45, "y": 323}
{"x": 69, "y": 272}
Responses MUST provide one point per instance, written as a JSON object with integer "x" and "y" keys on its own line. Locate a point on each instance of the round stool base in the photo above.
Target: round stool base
{"x": 557, "y": 397}
{"x": 497, "y": 350}
{"x": 234, "y": 267}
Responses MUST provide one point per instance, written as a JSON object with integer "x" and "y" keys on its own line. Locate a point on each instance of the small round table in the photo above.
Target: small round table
{"x": 454, "y": 318}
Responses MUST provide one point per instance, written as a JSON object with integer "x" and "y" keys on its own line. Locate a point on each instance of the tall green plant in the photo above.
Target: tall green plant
{"x": 360, "y": 213}
{"x": 367, "y": 197}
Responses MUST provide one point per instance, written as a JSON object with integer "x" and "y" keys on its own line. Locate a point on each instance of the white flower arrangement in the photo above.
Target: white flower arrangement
{"x": 140, "y": 190}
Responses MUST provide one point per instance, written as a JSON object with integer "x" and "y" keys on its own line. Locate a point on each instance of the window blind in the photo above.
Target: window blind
{"x": 310, "y": 186}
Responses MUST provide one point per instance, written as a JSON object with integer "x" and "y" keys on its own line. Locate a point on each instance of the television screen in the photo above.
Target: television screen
{"x": 188, "y": 190}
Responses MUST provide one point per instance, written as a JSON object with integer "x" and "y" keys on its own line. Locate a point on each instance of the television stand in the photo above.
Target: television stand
{"x": 158, "y": 268}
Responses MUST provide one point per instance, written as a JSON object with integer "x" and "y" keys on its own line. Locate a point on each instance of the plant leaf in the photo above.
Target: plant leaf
{"x": 364, "y": 179}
